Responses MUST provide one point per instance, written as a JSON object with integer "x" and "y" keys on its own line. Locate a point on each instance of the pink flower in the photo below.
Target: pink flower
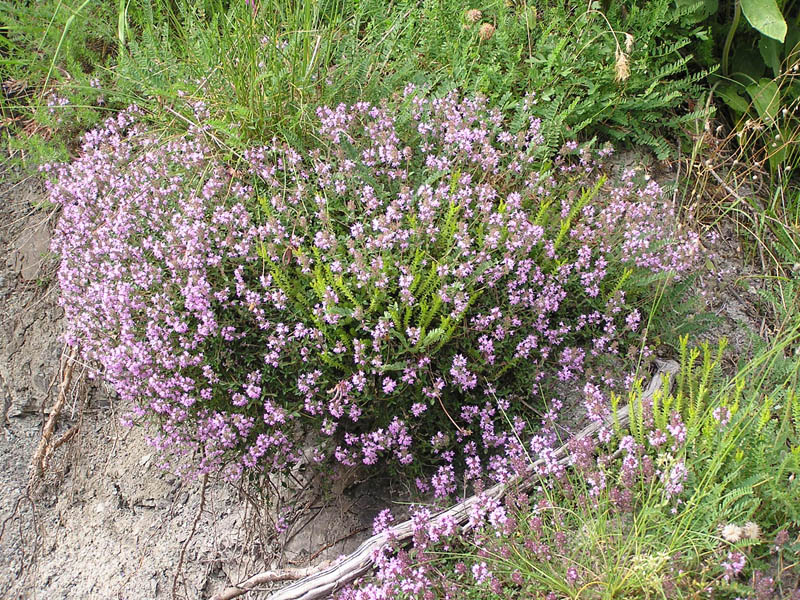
{"x": 389, "y": 385}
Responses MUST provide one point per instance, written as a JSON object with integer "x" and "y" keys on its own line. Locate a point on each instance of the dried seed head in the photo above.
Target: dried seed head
{"x": 732, "y": 533}
{"x": 628, "y": 43}
{"x": 621, "y": 69}
{"x": 473, "y": 15}
{"x": 751, "y": 531}
{"x": 486, "y": 31}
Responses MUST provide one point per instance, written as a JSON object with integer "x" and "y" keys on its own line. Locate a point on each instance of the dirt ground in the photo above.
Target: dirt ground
{"x": 105, "y": 521}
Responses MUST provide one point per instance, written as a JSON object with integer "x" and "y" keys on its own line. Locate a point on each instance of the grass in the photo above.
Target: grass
{"x": 261, "y": 74}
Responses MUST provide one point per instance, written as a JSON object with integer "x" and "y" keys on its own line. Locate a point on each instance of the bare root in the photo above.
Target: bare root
{"x": 46, "y": 447}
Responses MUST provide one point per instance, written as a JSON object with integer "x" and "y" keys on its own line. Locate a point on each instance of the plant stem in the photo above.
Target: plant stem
{"x": 737, "y": 14}
{"x": 67, "y": 26}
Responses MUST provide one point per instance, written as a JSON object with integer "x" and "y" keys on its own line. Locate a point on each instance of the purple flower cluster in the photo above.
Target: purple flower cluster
{"x": 378, "y": 287}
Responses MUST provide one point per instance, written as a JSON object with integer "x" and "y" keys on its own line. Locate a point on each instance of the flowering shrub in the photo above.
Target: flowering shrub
{"x": 378, "y": 287}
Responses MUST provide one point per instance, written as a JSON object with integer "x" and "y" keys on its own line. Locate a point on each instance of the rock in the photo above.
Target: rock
{"x": 31, "y": 248}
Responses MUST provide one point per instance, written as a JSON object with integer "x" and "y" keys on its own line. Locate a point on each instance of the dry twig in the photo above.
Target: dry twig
{"x": 45, "y": 448}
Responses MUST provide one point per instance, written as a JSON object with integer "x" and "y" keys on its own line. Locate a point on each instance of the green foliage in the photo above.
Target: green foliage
{"x": 261, "y": 73}
{"x": 748, "y": 468}
{"x": 264, "y": 72}
{"x": 53, "y": 62}
{"x": 617, "y": 72}
{"x": 620, "y": 74}
{"x": 757, "y": 81}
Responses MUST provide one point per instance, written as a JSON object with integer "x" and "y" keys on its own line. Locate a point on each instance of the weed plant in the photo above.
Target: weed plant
{"x": 755, "y": 165}
{"x": 618, "y": 70}
{"x": 612, "y": 74}
{"x": 53, "y": 65}
{"x": 618, "y": 73}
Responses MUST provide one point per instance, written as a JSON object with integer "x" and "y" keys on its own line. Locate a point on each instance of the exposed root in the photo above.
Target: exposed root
{"x": 200, "y": 509}
{"x": 46, "y": 448}
{"x": 322, "y": 580}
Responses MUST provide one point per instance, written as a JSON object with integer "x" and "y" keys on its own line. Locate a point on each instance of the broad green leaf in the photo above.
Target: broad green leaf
{"x": 770, "y": 50}
{"x": 730, "y": 95}
{"x": 766, "y": 98}
{"x": 766, "y": 17}
{"x": 748, "y": 63}
{"x": 776, "y": 157}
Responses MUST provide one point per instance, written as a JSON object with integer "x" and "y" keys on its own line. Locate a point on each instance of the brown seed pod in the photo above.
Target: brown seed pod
{"x": 473, "y": 15}
{"x": 486, "y": 31}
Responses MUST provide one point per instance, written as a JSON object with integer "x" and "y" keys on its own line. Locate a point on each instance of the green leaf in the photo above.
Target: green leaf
{"x": 766, "y": 17}
{"x": 697, "y": 10}
{"x": 730, "y": 95}
{"x": 747, "y": 65}
{"x": 433, "y": 336}
{"x": 397, "y": 366}
{"x": 766, "y": 98}
{"x": 792, "y": 40}
{"x": 769, "y": 49}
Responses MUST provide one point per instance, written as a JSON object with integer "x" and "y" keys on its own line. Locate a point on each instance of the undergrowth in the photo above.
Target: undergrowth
{"x": 619, "y": 72}
{"x": 698, "y": 496}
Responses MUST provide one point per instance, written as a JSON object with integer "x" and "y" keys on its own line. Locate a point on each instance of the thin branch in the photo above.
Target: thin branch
{"x": 191, "y": 535}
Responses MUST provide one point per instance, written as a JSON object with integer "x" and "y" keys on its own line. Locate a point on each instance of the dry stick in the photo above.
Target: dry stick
{"x": 45, "y": 447}
{"x": 322, "y": 581}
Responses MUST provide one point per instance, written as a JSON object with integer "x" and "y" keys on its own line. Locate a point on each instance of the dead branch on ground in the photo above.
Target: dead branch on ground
{"x": 46, "y": 448}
